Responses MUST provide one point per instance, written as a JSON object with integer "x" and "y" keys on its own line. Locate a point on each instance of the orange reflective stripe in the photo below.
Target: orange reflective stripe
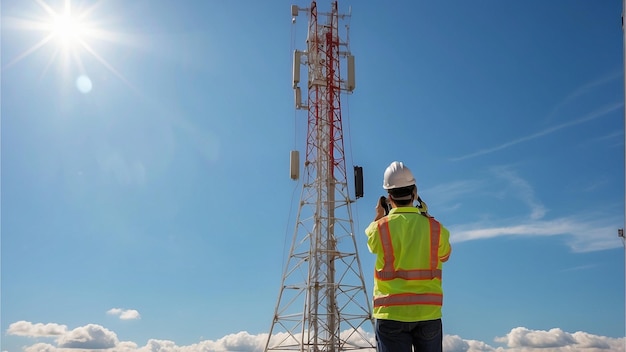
{"x": 404, "y": 299}
{"x": 446, "y": 257}
{"x": 389, "y": 273}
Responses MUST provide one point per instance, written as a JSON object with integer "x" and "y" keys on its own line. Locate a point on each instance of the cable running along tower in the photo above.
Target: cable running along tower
{"x": 323, "y": 304}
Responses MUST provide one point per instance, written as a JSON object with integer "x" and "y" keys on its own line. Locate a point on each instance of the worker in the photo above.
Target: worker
{"x": 410, "y": 247}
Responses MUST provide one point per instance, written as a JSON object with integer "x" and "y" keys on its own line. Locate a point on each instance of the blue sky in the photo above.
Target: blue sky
{"x": 146, "y": 199}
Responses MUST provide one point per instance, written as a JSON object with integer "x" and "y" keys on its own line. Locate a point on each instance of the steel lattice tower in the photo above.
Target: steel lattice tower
{"x": 322, "y": 304}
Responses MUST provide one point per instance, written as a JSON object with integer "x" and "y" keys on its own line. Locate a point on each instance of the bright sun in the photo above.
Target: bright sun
{"x": 72, "y": 32}
{"x": 68, "y": 29}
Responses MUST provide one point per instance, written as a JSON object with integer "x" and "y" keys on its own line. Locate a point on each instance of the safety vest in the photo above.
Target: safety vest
{"x": 408, "y": 286}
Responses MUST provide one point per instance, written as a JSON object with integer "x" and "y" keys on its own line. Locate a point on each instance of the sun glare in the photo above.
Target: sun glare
{"x": 72, "y": 32}
{"x": 67, "y": 29}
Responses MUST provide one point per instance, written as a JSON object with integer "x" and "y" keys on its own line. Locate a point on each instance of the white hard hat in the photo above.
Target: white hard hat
{"x": 397, "y": 176}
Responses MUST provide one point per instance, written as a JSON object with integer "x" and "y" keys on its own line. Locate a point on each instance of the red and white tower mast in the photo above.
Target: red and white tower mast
{"x": 322, "y": 304}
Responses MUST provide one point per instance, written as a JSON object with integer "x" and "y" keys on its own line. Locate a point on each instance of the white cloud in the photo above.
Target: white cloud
{"x": 241, "y": 341}
{"x": 91, "y": 336}
{"x": 25, "y": 328}
{"x": 125, "y": 314}
{"x": 522, "y": 337}
{"x": 41, "y": 347}
{"x": 585, "y": 233}
{"x": 454, "y": 343}
{"x": 96, "y": 337}
{"x": 557, "y": 340}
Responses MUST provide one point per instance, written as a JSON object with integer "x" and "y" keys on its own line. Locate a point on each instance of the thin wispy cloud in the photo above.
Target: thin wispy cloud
{"x": 614, "y": 139}
{"x": 591, "y": 116}
{"x": 500, "y": 182}
{"x": 446, "y": 196}
{"x": 522, "y": 190}
{"x": 583, "y": 233}
{"x": 596, "y": 184}
{"x": 456, "y": 189}
{"x": 584, "y": 89}
{"x": 580, "y": 268}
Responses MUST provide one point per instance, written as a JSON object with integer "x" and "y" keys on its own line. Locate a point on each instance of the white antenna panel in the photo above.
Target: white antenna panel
{"x": 294, "y": 165}
{"x": 298, "y": 98}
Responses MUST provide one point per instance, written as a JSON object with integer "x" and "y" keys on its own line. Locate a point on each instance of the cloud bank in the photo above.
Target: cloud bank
{"x": 96, "y": 337}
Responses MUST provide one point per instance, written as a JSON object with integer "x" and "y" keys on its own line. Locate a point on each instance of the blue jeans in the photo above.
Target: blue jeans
{"x": 398, "y": 336}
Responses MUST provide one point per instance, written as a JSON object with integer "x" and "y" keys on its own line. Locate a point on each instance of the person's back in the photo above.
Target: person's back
{"x": 410, "y": 247}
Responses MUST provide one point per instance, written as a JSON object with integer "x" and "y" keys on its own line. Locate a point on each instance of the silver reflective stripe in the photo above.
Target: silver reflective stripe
{"x": 409, "y": 274}
{"x": 405, "y": 299}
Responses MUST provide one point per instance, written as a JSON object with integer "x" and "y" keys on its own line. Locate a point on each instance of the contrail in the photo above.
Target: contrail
{"x": 591, "y": 116}
{"x": 584, "y": 90}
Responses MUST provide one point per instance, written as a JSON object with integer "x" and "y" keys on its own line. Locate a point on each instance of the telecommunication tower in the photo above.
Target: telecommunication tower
{"x": 323, "y": 304}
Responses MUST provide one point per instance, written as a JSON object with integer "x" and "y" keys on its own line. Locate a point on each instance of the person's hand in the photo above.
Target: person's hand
{"x": 380, "y": 211}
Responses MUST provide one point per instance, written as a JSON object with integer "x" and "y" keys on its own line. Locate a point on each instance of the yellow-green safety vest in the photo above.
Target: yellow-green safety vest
{"x": 410, "y": 249}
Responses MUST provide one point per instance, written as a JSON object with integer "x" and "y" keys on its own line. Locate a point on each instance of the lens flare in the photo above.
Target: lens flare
{"x": 83, "y": 83}
{"x": 72, "y": 33}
